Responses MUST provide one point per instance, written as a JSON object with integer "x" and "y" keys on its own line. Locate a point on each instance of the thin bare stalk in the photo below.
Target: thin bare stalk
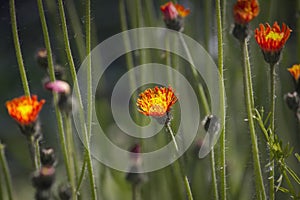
{"x": 185, "y": 178}
{"x": 89, "y": 97}
{"x": 18, "y": 47}
{"x": 6, "y": 172}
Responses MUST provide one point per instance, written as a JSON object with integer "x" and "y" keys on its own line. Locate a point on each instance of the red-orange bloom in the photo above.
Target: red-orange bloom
{"x": 272, "y": 39}
{"x": 156, "y": 102}
{"x": 245, "y": 10}
{"x": 295, "y": 72}
{"x": 171, "y": 11}
{"x": 24, "y": 109}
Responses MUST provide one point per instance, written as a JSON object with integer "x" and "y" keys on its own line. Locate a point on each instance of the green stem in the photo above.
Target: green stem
{"x": 71, "y": 153}
{"x": 55, "y": 96}
{"x": 289, "y": 183}
{"x": 17, "y": 47}
{"x": 248, "y": 93}
{"x": 134, "y": 191}
{"x": 89, "y": 97}
{"x": 34, "y": 149}
{"x": 222, "y": 100}
{"x": 7, "y": 176}
{"x": 272, "y": 127}
{"x": 1, "y": 185}
{"x": 76, "y": 27}
{"x": 185, "y": 179}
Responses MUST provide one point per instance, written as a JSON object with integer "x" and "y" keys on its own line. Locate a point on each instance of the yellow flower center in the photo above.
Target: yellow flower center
{"x": 24, "y": 110}
{"x": 274, "y": 36}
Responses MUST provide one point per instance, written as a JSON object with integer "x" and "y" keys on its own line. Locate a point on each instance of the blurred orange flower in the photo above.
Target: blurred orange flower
{"x": 156, "y": 102}
{"x": 272, "y": 39}
{"x": 25, "y": 109}
{"x": 295, "y": 71}
{"x": 245, "y": 10}
{"x": 171, "y": 11}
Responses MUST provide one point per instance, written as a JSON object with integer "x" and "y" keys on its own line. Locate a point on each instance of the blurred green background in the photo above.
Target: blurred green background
{"x": 201, "y": 26}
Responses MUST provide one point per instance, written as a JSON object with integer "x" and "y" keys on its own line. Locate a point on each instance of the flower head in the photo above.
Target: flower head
{"x": 173, "y": 15}
{"x": 295, "y": 72}
{"x": 245, "y": 10}
{"x": 156, "y": 102}
{"x": 24, "y": 109}
{"x": 171, "y": 11}
{"x": 272, "y": 39}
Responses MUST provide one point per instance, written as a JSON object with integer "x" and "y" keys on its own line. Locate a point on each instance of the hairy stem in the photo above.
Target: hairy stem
{"x": 248, "y": 94}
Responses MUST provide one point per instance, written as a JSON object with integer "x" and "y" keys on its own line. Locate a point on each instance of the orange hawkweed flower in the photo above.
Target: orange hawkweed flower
{"x": 272, "y": 39}
{"x": 24, "y": 109}
{"x": 295, "y": 72}
{"x": 245, "y": 10}
{"x": 173, "y": 15}
{"x": 171, "y": 11}
{"x": 156, "y": 102}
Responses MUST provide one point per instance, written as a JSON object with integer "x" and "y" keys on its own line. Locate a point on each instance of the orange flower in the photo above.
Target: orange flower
{"x": 25, "y": 109}
{"x": 272, "y": 39}
{"x": 156, "y": 102}
{"x": 295, "y": 72}
{"x": 245, "y": 10}
{"x": 171, "y": 11}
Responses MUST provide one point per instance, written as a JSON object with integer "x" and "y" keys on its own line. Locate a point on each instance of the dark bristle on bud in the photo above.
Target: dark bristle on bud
{"x": 65, "y": 191}
{"x": 47, "y": 157}
{"x": 65, "y": 103}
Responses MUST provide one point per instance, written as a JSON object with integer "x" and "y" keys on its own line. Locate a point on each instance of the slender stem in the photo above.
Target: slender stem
{"x": 248, "y": 93}
{"x": 1, "y": 187}
{"x": 185, "y": 179}
{"x": 213, "y": 174}
{"x": 272, "y": 127}
{"x": 55, "y": 96}
{"x": 89, "y": 96}
{"x": 80, "y": 179}
{"x": 18, "y": 48}
{"x": 7, "y": 176}
{"x": 134, "y": 191}
{"x": 76, "y": 27}
{"x": 222, "y": 100}
{"x": 34, "y": 149}
{"x": 289, "y": 183}
{"x": 71, "y": 153}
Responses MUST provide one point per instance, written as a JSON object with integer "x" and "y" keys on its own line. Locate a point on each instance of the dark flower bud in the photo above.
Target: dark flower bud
{"x": 292, "y": 100}
{"x": 43, "y": 195}
{"x": 65, "y": 191}
{"x": 48, "y": 157}
{"x": 134, "y": 177}
{"x": 241, "y": 31}
{"x": 59, "y": 72}
{"x": 42, "y": 58}
{"x": 44, "y": 178}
